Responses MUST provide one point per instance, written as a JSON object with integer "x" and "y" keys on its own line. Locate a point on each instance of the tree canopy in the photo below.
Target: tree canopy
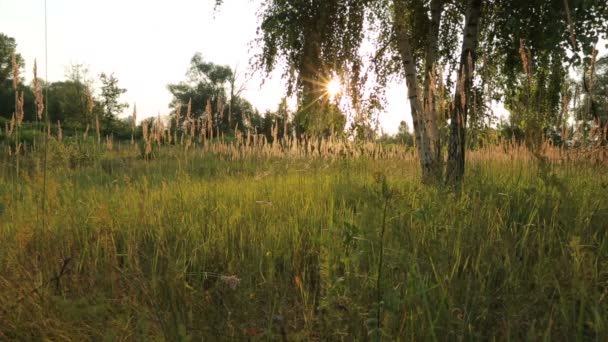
{"x": 456, "y": 56}
{"x": 209, "y": 83}
{"x": 471, "y": 49}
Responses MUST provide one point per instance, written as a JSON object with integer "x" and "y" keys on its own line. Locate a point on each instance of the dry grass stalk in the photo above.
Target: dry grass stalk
{"x": 38, "y": 97}
{"x": 192, "y": 129}
{"x": 231, "y": 281}
{"x": 15, "y": 72}
{"x": 285, "y": 120}
{"x": 178, "y": 112}
{"x": 220, "y": 108}
{"x": 220, "y": 114}
{"x": 159, "y": 130}
{"x": 133, "y": 123}
{"x": 203, "y": 130}
{"x": 188, "y": 112}
{"x": 526, "y": 60}
{"x": 188, "y": 124}
{"x": 11, "y": 127}
{"x": 134, "y": 116}
{"x": 109, "y": 143}
{"x": 209, "y": 118}
{"x": 59, "y": 131}
{"x": 98, "y": 129}
{"x": 168, "y": 132}
{"x": 144, "y": 127}
{"x": 85, "y": 135}
{"x": 237, "y": 134}
{"x": 200, "y": 127}
{"x": 147, "y": 140}
{"x": 20, "y": 111}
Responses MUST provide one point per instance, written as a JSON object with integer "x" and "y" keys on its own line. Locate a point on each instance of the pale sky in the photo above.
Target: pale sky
{"x": 149, "y": 43}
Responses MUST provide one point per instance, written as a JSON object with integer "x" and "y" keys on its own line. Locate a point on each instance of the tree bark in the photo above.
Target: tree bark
{"x": 313, "y": 75}
{"x": 458, "y": 117}
{"x": 428, "y": 162}
{"x": 430, "y": 108}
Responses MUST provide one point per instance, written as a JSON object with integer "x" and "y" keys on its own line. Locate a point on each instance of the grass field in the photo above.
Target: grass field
{"x": 222, "y": 243}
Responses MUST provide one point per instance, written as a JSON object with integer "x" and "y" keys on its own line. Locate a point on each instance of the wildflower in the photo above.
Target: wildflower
{"x": 231, "y": 281}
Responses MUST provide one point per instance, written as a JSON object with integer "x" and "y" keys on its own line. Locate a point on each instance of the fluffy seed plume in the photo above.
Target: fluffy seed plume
{"x": 15, "y": 72}
{"x": 525, "y": 58}
{"x": 20, "y": 111}
{"x": 134, "y": 117}
{"x": 38, "y": 97}
{"x": 98, "y": 129}
{"x": 232, "y": 281}
{"x": 59, "y": 131}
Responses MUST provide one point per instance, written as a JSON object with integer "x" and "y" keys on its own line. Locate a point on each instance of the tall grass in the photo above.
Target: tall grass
{"x": 246, "y": 239}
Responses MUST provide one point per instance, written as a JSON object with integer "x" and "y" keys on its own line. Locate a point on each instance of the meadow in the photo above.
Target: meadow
{"x": 333, "y": 240}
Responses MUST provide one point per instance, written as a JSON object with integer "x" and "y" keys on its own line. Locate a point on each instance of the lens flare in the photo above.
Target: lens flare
{"x": 333, "y": 87}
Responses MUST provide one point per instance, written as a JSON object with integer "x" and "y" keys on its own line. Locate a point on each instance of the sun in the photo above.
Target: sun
{"x": 333, "y": 87}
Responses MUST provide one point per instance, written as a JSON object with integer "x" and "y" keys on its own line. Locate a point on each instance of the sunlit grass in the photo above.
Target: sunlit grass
{"x": 154, "y": 248}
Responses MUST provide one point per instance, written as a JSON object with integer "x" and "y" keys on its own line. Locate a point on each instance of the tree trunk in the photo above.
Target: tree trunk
{"x": 458, "y": 117}
{"x": 428, "y": 161}
{"x": 310, "y": 78}
{"x": 430, "y": 108}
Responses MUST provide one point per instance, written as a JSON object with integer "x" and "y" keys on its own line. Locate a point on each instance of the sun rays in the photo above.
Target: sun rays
{"x": 333, "y": 87}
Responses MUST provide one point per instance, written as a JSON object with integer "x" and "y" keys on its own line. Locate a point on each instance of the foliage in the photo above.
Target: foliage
{"x": 550, "y": 33}
{"x": 67, "y": 103}
{"x": 208, "y": 82}
{"x": 8, "y": 47}
{"x": 314, "y": 40}
{"x": 329, "y": 32}
{"x": 7, "y": 100}
{"x": 109, "y": 100}
{"x": 315, "y": 121}
{"x": 403, "y": 136}
{"x": 595, "y": 101}
{"x": 279, "y": 120}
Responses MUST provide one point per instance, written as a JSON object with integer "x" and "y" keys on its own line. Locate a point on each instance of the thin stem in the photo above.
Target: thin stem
{"x": 46, "y": 115}
{"x": 380, "y": 263}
